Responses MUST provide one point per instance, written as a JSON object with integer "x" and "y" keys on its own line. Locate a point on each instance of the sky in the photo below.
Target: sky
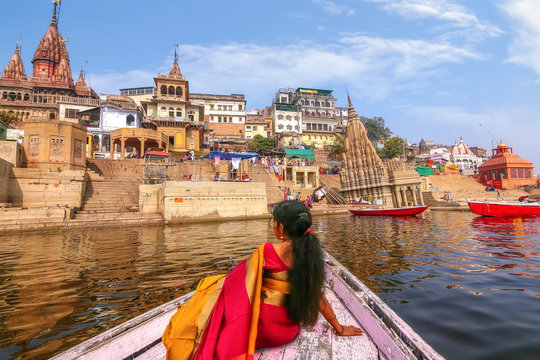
{"x": 433, "y": 69}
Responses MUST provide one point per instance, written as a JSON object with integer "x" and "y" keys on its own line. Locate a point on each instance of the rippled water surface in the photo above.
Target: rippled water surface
{"x": 469, "y": 285}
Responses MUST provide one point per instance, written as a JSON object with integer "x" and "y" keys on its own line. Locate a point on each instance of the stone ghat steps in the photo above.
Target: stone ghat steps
{"x": 110, "y": 196}
{"x": 117, "y": 217}
{"x": 430, "y": 200}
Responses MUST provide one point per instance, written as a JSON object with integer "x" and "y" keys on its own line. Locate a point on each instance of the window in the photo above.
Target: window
{"x": 280, "y": 117}
{"x": 288, "y": 117}
{"x": 179, "y": 91}
{"x": 325, "y": 127}
{"x": 130, "y": 120}
{"x": 520, "y": 173}
{"x": 289, "y": 127}
{"x": 171, "y": 113}
{"x": 254, "y": 128}
{"x": 309, "y": 137}
{"x": 171, "y": 140}
{"x": 230, "y": 107}
{"x": 211, "y": 106}
{"x": 52, "y": 116}
{"x": 71, "y": 114}
{"x": 163, "y": 90}
{"x": 240, "y": 107}
{"x": 26, "y": 97}
{"x": 240, "y": 132}
{"x": 219, "y": 119}
{"x": 230, "y": 119}
{"x": 178, "y": 113}
{"x": 191, "y": 117}
{"x": 280, "y": 126}
{"x": 296, "y": 127}
{"x": 527, "y": 173}
{"x": 219, "y": 107}
{"x": 171, "y": 90}
{"x": 249, "y": 127}
{"x": 308, "y": 126}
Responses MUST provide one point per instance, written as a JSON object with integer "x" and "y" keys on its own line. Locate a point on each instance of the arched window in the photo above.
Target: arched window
{"x": 19, "y": 96}
{"x": 26, "y": 97}
{"x": 163, "y": 90}
{"x": 171, "y": 90}
{"x": 317, "y": 103}
{"x": 179, "y": 91}
{"x": 12, "y": 96}
{"x": 130, "y": 120}
{"x": 171, "y": 113}
{"x": 52, "y": 116}
{"x": 179, "y": 112}
{"x": 4, "y": 95}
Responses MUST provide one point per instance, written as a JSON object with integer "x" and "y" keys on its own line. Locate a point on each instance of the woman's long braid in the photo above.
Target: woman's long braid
{"x": 307, "y": 275}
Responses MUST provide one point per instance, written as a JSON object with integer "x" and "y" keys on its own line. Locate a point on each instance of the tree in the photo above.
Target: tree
{"x": 338, "y": 147}
{"x": 9, "y": 118}
{"x": 393, "y": 147}
{"x": 376, "y": 128}
{"x": 259, "y": 143}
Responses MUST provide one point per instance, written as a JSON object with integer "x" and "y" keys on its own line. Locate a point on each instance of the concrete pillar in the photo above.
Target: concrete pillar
{"x": 403, "y": 197}
{"x": 122, "y": 148}
{"x": 413, "y": 191}
{"x": 112, "y": 149}
{"x": 420, "y": 196}
{"x": 294, "y": 177}
{"x": 306, "y": 183}
{"x": 399, "y": 200}
{"x": 142, "y": 145}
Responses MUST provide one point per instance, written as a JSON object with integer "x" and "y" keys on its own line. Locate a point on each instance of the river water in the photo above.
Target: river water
{"x": 470, "y": 286}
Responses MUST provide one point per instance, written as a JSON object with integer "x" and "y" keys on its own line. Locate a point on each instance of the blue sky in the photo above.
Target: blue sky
{"x": 431, "y": 68}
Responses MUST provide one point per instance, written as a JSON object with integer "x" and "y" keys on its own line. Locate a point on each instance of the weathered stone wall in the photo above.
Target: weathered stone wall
{"x": 5, "y": 172}
{"x": 42, "y": 188}
{"x": 150, "y": 199}
{"x": 13, "y": 152}
{"x": 185, "y": 201}
{"x": 14, "y": 219}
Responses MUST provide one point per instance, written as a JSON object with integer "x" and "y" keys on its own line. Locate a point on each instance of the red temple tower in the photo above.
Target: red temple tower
{"x": 506, "y": 170}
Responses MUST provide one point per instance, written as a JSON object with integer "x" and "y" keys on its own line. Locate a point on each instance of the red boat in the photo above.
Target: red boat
{"x": 504, "y": 209}
{"x": 405, "y": 211}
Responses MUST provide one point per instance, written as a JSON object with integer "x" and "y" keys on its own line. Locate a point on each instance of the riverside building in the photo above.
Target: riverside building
{"x": 49, "y": 93}
{"x": 308, "y": 116}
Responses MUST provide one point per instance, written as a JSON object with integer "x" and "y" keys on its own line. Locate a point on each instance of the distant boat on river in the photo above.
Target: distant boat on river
{"x": 487, "y": 208}
{"x": 386, "y": 335}
{"x": 405, "y": 211}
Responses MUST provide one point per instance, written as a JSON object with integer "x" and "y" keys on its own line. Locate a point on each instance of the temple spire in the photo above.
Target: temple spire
{"x": 15, "y": 68}
{"x": 56, "y": 3}
{"x": 176, "y": 69}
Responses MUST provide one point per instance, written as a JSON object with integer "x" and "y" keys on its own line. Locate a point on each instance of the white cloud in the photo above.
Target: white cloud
{"x": 455, "y": 15}
{"x": 525, "y": 47}
{"x": 332, "y": 8}
{"x": 370, "y": 66}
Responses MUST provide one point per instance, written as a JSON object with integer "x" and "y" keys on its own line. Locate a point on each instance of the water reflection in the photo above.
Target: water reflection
{"x": 454, "y": 277}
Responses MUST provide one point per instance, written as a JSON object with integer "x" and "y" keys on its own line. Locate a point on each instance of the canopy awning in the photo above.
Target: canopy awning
{"x": 299, "y": 154}
{"x": 229, "y": 155}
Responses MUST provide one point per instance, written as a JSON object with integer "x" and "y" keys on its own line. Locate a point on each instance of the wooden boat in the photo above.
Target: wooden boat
{"x": 405, "y": 211}
{"x": 386, "y": 335}
{"x": 487, "y": 208}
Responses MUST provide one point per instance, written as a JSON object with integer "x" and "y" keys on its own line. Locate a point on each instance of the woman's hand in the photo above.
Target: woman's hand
{"x": 349, "y": 330}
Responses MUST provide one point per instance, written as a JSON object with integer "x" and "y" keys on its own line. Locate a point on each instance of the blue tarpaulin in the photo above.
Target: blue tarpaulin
{"x": 229, "y": 155}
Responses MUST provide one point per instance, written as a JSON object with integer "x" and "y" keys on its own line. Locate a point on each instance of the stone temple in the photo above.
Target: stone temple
{"x": 365, "y": 175}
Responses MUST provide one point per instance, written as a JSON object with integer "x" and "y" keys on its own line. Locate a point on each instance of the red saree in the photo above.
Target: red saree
{"x": 228, "y": 317}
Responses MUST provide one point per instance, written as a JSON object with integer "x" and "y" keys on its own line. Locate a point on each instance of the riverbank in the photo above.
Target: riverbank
{"x": 136, "y": 219}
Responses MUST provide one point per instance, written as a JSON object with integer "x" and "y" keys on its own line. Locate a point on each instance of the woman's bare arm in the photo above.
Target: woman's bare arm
{"x": 328, "y": 313}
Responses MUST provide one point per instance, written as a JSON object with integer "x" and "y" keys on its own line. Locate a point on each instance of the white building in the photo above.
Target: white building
{"x": 114, "y": 112}
{"x": 467, "y": 161}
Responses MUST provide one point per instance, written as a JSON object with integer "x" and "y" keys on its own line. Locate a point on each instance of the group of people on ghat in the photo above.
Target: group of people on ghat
{"x": 298, "y": 197}
{"x": 334, "y": 170}
{"x": 243, "y": 177}
{"x": 263, "y": 302}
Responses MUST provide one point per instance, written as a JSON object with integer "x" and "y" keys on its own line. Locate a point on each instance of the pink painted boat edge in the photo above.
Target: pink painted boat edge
{"x": 487, "y": 208}
{"x": 406, "y": 211}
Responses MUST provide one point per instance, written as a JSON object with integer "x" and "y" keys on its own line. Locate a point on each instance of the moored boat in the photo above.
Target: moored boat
{"x": 386, "y": 335}
{"x": 487, "y": 208}
{"x": 405, "y": 211}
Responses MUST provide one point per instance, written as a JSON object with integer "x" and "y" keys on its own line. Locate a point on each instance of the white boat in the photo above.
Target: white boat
{"x": 386, "y": 335}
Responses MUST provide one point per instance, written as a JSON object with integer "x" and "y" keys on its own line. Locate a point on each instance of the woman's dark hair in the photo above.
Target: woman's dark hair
{"x": 307, "y": 275}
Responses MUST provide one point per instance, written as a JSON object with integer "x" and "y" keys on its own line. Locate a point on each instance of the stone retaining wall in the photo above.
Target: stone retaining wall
{"x": 45, "y": 188}
{"x": 181, "y": 201}
{"x": 18, "y": 219}
{"x": 5, "y": 172}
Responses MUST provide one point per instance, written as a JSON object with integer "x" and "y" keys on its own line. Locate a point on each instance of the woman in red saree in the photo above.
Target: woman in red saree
{"x": 262, "y": 302}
